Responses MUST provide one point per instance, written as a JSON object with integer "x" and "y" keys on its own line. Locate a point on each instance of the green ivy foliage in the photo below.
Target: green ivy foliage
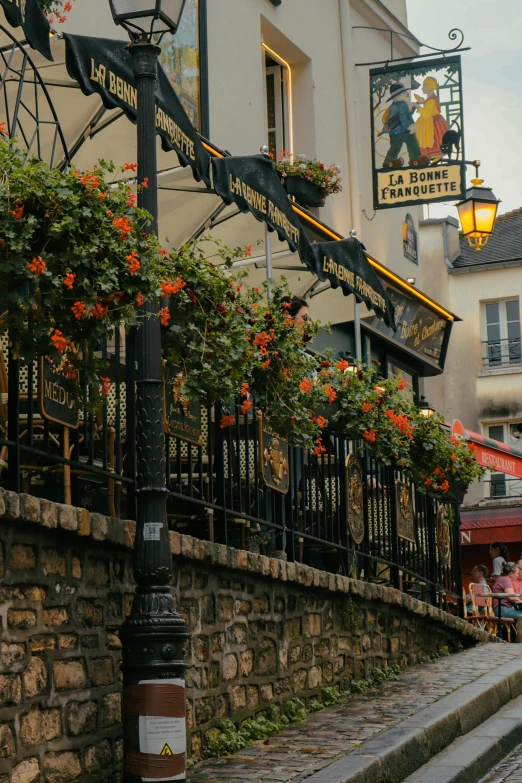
{"x": 228, "y": 739}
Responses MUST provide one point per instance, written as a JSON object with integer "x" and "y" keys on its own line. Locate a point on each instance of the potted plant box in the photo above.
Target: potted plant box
{"x": 305, "y": 193}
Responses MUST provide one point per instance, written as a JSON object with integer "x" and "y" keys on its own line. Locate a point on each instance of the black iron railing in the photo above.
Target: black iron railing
{"x": 501, "y": 353}
{"x": 48, "y": 449}
{"x": 218, "y": 487}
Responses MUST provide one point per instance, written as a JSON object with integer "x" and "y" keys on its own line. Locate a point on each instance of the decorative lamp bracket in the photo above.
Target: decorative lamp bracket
{"x": 452, "y": 35}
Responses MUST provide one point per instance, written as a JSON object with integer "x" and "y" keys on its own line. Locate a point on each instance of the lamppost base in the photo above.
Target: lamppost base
{"x": 153, "y": 640}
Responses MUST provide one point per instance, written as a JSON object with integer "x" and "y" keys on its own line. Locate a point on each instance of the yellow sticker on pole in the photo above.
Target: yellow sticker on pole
{"x": 166, "y": 751}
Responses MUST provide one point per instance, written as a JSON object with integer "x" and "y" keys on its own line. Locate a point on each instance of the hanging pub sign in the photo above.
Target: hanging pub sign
{"x": 418, "y": 328}
{"x": 252, "y": 183}
{"x": 273, "y": 457}
{"x": 30, "y": 17}
{"x": 354, "y": 498}
{"x": 417, "y": 133}
{"x": 182, "y": 414}
{"x": 344, "y": 263}
{"x": 409, "y": 239}
{"x": 55, "y": 402}
{"x": 404, "y": 512}
{"x": 103, "y": 66}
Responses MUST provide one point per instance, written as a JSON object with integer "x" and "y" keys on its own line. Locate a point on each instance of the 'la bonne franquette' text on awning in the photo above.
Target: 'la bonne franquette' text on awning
{"x": 129, "y": 94}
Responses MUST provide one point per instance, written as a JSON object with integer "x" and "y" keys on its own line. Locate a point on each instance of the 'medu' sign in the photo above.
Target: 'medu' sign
{"x": 55, "y": 402}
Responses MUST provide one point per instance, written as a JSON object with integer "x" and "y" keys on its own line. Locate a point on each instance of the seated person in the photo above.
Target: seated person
{"x": 511, "y": 607}
{"x": 517, "y": 584}
{"x": 479, "y": 574}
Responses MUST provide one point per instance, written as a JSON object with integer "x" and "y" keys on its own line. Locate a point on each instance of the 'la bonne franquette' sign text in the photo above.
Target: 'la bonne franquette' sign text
{"x": 399, "y": 187}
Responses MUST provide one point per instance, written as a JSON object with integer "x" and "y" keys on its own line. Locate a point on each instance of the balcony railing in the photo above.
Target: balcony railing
{"x": 502, "y": 486}
{"x": 501, "y": 353}
{"x": 218, "y": 485}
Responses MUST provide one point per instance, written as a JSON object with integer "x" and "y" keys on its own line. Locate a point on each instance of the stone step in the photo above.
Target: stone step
{"x": 469, "y": 758}
{"x": 401, "y": 751}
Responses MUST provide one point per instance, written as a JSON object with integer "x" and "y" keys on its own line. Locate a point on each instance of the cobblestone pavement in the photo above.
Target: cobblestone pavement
{"x": 508, "y": 771}
{"x": 303, "y": 749}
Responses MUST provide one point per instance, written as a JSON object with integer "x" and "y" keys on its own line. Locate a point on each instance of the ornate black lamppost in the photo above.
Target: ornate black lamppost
{"x": 153, "y": 634}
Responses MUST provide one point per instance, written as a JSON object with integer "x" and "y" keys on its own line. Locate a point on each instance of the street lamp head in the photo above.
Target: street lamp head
{"x": 146, "y": 18}
{"x": 477, "y": 214}
{"x": 425, "y": 409}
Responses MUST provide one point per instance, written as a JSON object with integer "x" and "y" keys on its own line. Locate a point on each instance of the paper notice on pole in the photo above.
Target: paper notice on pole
{"x": 162, "y": 736}
{"x": 152, "y": 531}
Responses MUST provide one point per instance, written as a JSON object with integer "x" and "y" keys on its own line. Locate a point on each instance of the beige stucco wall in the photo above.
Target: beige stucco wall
{"x": 331, "y": 109}
{"x": 464, "y": 391}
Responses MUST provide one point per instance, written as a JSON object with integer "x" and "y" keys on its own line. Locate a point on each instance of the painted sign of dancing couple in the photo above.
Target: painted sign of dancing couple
{"x": 417, "y": 126}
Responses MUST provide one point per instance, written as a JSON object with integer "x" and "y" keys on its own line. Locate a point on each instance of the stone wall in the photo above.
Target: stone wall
{"x": 261, "y": 631}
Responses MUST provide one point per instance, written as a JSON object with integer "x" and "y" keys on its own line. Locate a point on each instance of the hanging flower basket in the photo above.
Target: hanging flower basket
{"x": 455, "y": 493}
{"x": 305, "y": 193}
{"x": 306, "y": 179}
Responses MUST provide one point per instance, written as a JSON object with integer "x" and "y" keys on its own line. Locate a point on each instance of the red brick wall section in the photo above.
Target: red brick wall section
{"x": 261, "y": 632}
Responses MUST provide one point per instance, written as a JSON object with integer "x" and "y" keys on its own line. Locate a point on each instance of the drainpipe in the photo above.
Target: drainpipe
{"x": 445, "y": 245}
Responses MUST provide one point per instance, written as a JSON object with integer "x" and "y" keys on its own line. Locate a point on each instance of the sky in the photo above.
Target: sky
{"x": 492, "y": 86}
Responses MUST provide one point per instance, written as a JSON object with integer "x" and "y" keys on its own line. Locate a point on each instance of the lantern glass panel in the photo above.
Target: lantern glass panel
{"x": 485, "y": 217}
{"x": 141, "y": 13}
{"x": 467, "y": 216}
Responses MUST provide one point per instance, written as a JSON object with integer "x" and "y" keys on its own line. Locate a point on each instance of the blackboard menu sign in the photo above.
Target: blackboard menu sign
{"x": 418, "y": 328}
{"x": 55, "y": 402}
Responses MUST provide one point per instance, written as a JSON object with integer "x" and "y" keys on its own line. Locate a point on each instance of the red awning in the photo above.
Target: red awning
{"x": 483, "y": 526}
{"x": 494, "y": 517}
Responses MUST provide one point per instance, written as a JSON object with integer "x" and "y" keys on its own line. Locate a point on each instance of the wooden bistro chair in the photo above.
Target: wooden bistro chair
{"x": 508, "y": 623}
{"x": 474, "y": 617}
{"x": 482, "y": 608}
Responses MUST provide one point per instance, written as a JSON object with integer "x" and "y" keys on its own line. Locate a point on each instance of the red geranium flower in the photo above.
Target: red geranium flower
{"x": 37, "y": 265}
{"x": 59, "y": 341}
{"x": 69, "y": 279}
{"x": 164, "y": 315}
{"x": 79, "y": 309}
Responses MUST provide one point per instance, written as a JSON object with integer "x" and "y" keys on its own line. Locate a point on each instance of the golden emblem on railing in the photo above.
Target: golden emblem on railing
{"x": 181, "y": 413}
{"x": 404, "y": 511}
{"x": 355, "y": 498}
{"x": 444, "y": 535}
{"x": 405, "y": 501}
{"x": 275, "y": 458}
{"x": 177, "y": 396}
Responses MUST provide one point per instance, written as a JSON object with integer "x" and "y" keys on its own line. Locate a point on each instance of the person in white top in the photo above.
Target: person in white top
{"x": 499, "y": 555}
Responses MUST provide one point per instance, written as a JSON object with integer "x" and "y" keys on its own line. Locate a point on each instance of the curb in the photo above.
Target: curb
{"x": 393, "y": 755}
{"x": 470, "y": 758}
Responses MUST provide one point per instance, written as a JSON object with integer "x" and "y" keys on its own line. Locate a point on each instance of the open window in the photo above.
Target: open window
{"x": 277, "y": 103}
{"x": 501, "y": 333}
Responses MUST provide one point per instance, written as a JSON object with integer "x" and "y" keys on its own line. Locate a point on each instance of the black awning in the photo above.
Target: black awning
{"x": 252, "y": 183}
{"x": 33, "y": 22}
{"x": 344, "y": 264}
{"x": 104, "y": 66}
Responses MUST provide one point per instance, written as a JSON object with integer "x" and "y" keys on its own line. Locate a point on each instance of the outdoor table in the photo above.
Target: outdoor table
{"x": 500, "y": 596}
